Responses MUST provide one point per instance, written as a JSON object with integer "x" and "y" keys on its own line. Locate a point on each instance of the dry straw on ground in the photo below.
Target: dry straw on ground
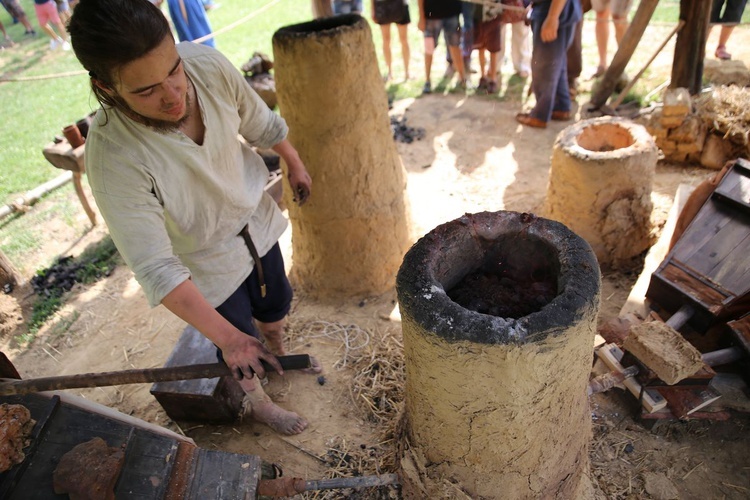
{"x": 727, "y": 110}
{"x": 374, "y": 361}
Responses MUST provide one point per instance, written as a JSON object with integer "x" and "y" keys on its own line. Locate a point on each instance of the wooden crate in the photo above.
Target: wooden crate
{"x": 215, "y": 400}
{"x": 709, "y": 266}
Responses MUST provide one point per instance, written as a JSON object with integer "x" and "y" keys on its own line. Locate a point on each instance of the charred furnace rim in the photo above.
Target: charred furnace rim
{"x": 318, "y": 28}
{"x": 422, "y": 296}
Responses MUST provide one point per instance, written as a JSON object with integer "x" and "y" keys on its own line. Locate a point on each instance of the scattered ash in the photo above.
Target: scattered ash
{"x": 404, "y": 133}
{"x": 63, "y": 275}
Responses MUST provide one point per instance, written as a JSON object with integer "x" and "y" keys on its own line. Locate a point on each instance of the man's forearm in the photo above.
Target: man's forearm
{"x": 187, "y": 303}
{"x": 556, "y": 7}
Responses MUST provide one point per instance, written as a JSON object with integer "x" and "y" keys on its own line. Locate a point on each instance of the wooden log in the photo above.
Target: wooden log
{"x": 624, "y": 52}
{"x": 690, "y": 46}
{"x": 633, "y": 80}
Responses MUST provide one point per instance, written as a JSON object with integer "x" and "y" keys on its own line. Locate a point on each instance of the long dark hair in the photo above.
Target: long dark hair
{"x": 107, "y": 34}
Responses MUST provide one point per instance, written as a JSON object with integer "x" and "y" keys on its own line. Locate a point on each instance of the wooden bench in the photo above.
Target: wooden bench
{"x": 62, "y": 155}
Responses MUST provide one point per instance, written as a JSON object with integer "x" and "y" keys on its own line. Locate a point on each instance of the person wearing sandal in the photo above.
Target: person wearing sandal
{"x": 730, "y": 18}
{"x": 553, "y": 24}
{"x": 619, "y": 10}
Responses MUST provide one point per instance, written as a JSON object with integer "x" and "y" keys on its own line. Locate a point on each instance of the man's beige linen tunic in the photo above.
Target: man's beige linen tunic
{"x": 174, "y": 208}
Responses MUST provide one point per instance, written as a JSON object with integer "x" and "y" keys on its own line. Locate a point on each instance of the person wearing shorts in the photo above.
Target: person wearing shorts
{"x": 436, "y": 16}
{"x": 618, "y": 10}
{"x": 401, "y": 21}
{"x": 487, "y": 39}
{"x": 729, "y": 18}
{"x": 347, "y": 7}
{"x": 48, "y": 19}
{"x": 17, "y": 12}
{"x": 63, "y": 10}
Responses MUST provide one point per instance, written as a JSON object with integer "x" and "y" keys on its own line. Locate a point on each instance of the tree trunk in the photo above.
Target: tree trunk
{"x": 8, "y": 273}
{"x": 690, "y": 46}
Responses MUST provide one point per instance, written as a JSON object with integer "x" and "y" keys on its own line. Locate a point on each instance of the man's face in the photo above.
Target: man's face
{"x": 154, "y": 88}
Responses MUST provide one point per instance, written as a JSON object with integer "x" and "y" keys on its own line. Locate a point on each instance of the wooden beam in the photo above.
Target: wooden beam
{"x": 690, "y": 46}
{"x": 624, "y": 52}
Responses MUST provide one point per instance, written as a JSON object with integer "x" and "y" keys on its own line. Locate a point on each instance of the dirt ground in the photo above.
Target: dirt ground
{"x": 473, "y": 157}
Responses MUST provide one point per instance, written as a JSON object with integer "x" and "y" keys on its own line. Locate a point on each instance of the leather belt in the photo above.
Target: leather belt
{"x": 245, "y": 233}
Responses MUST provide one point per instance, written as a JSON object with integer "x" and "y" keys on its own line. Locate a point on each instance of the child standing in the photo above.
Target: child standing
{"x": 436, "y": 16}
{"x": 487, "y": 39}
{"x": 48, "y": 19}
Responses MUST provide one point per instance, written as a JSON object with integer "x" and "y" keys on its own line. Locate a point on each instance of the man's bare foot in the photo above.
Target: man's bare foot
{"x": 267, "y": 412}
{"x": 315, "y": 367}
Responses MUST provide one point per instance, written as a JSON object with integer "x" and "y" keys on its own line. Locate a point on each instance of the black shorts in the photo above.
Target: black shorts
{"x": 246, "y": 303}
{"x": 732, "y": 14}
{"x": 402, "y": 18}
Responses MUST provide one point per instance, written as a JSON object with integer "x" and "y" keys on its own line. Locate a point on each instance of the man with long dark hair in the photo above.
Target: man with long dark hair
{"x": 182, "y": 195}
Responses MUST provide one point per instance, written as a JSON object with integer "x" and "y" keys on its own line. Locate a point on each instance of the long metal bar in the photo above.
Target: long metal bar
{"x": 138, "y": 376}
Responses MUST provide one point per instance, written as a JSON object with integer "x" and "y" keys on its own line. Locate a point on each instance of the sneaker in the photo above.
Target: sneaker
{"x": 66, "y": 46}
{"x": 54, "y": 44}
{"x": 30, "y": 33}
{"x": 427, "y": 89}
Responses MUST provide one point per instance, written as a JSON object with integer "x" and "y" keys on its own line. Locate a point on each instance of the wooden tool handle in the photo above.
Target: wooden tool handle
{"x": 138, "y": 376}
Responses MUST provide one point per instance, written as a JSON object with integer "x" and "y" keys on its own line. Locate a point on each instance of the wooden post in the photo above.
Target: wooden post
{"x": 624, "y": 52}
{"x": 690, "y": 46}
{"x": 8, "y": 273}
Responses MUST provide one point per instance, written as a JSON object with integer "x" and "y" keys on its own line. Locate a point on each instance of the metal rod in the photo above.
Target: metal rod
{"x": 138, "y": 376}
{"x": 723, "y": 356}
{"x": 682, "y": 316}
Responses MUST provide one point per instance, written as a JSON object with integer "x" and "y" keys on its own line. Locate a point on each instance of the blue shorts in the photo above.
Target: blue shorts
{"x": 450, "y": 26}
{"x": 347, "y": 7}
{"x": 246, "y": 303}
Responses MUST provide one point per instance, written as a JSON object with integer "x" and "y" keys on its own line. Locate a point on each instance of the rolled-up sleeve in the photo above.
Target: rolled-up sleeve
{"x": 127, "y": 199}
{"x": 259, "y": 125}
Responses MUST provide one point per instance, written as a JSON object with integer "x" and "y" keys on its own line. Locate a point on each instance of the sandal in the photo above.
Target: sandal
{"x": 721, "y": 53}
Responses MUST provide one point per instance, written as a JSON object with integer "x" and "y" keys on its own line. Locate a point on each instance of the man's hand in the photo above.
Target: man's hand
{"x": 549, "y": 29}
{"x": 300, "y": 182}
{"x": 243, "y": 355}
{"x": 299, "y": 179}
